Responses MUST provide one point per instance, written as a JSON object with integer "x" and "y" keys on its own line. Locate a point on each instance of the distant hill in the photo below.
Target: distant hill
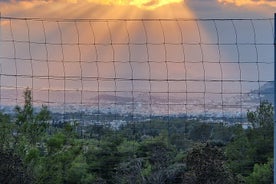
{"x": 266, "y": 92}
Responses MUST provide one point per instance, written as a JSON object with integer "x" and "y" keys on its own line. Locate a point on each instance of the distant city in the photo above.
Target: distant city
{"x": 117, "y": 110}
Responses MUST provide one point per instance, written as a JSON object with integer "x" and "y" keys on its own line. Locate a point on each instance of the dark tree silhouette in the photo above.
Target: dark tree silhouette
{"x": 13, "y": 170}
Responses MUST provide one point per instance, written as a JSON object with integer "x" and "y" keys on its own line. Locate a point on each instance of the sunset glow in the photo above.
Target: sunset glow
{"x": 143, "y": 4}
{"x": 98, "y": 9}
{"x": 73, "y": 50}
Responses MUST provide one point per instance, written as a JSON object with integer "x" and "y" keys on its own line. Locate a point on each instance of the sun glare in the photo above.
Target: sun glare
{"x": 98, "y": 8}
{"x": 143, "y": 4}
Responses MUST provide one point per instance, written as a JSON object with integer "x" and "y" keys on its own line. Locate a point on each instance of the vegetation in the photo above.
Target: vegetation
{"x": 33, "y": 150}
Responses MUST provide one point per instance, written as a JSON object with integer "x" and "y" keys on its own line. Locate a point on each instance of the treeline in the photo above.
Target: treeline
{"x": 32, "y": 150}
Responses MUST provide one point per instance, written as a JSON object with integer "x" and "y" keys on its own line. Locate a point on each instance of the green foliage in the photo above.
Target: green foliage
{"x": 55, "y": 142}
{"x": 58, "y": 160}
{"x": 206, "y": 164}
{"x": 78, "y": 172}
{"x": 154, "y": 162}
{"x": 152, "y": 152}
{"x": 157, "y": 152}
{"x": 240, "y": 153}
{"x": 201, "y": 132}
{"x": 29, "y": 124}
{"x": 262, "y": 117}
{"x": 262, "y": 173}
{"x": 132, "y": 171}
{"x": 32, "y": 155}
{"x": 254, "y": 145}
{"x": 6, "y": 128}
{"x": 103, "y": 158}
{"x": 13, "y": 170}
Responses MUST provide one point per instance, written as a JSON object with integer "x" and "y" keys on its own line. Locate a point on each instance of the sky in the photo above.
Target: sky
{"x": 83, "y": 51}
{"x": 139, "y": 8}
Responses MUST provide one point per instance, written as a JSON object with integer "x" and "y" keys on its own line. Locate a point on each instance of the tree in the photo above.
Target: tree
{"x": 262, "y": 117}
{"x": 262, "y": 173}
{"x": 78, "y": 172}
{"x": 103, "y": 158}
{"x": 30, "y": 125}
{"x": 13, "y": 170}
{"x": 6, "y": 131}
{"x": 261, "y": 135}
{"x": 206, "y": 164}
{"x": 240, "y": 153}
{"x": 251, "y": 148}
{"x": 131, "y": 172}
{"x": 201, "y": 132}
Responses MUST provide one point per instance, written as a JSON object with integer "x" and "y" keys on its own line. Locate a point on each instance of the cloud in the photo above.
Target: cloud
{"x": 96, "y": 8}
{"x": 271, "y": 3}
{"x": 143, "y": 4}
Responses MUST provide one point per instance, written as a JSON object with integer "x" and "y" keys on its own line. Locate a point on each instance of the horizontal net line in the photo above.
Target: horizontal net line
{"x": 123, "y": 92}
{"x": 128, "y": 19}
{"x": 245, "y": 105}
{"x": 140, "y": 44}
{"x": 132, "y": 79}
{"x": 269, "y": 61}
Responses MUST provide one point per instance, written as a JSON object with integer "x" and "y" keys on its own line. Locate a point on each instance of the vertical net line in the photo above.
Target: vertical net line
{"x": 63, "y": 67}
{"x": 167, "y": 77}
{"x": 47, "y": 61}
{"x": 239, "y": 65}
{"x": 257, "y": 59}
{"x": 15, "y": 60}
{"x": 115, "y": 71}
{"x": 185, "y": 70}
{"x": 184, "y": 65}
{"x": 81, "y": 78}
{"x": 149, "y": 70}
{"x": 97, "y": 69}
{"x": 203, "y": 67}
{"x": 132, "y": 83}
{"x": 220, "y": 67}
{"x": 31, "y": 58}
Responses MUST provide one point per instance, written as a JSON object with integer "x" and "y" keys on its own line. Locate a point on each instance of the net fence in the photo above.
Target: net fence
{"x": 136, "y": 69}
{"x": 144, "y": 92}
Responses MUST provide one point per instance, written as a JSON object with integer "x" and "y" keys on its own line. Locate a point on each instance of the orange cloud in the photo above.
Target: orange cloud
{"x": 143, "y": 4}
{"x": 249, "y": 2}
{"x": 96, "y": 8}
